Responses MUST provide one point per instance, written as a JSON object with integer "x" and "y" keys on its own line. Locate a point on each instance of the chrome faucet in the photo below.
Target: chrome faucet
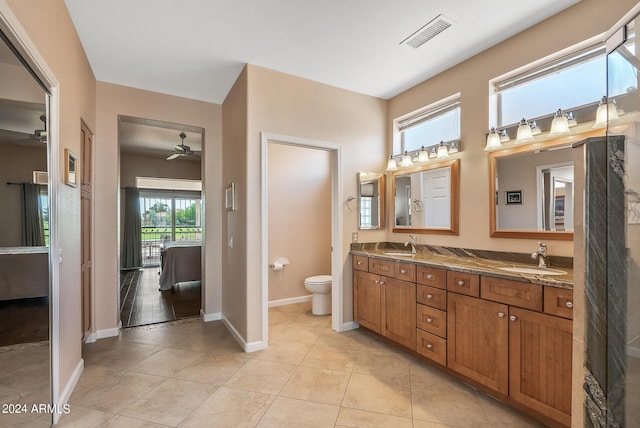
{"x": 413, "y": 241}
{"x": 541, "y": 255}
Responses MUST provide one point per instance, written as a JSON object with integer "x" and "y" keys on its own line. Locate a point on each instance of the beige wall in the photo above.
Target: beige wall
{"x": 299, "y": 189}
{"x": 17, "y": 164}
{"x": 114, "y": 100}
{"x": 136, "y": 165}
{"x": 471, "y": 78}
{"x": 287, "y": 105}
{"x": 76, "y": 102}
{"x": 234, "y": 227}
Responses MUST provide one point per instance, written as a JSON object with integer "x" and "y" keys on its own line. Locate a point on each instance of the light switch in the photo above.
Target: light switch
{"x": 354, "y": 237}
{"x": 230, "y": 244}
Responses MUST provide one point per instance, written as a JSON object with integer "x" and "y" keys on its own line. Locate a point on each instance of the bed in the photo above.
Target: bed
{"x": 24, "y": 272}
{"x": 180, "y": 262}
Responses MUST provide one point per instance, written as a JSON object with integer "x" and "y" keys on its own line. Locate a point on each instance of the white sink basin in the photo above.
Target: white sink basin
{"x": 398, "y": 253}
{"x": 533, "y": 270}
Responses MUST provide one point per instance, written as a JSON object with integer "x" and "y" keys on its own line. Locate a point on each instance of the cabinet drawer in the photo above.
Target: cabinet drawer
{"x": 382, "y": 267}
{"x": 515, "y": 293}
{"x": 405, "y": 271}
{"x": 431, "y": 296}
{"x": 432, "y": 347}
{"x": 361, "y": 263}
{"x": 432, "y": 320}
{"x": 559, "y": 302}
{"x": 463, "y": 283}
{"x": 432, "y": 277}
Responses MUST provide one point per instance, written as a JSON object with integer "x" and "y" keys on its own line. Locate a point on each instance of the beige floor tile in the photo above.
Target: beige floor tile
{"x": 317, "y": 385}
{"x": 126, "y": 422}
{"x": 279, "y": 317}
{"x": 333, "y": 339}
{"x": 326, "y": 357}
{"x": 294, "y": 333}
{"x": 214, "y": 369}
{"x": 417, "y": 423}
{"x": 363, "y": 419}
{"x": 281, "y": 351}
{"x": 307, "y": 319}
{"x": 501, "y": 415}
{"x": 261, "y": 376}
{"x": 383, "y": 395}
{"x": 111, "y": 390}
{"x": 80, "y": 417}
{"x": 382, "y": 364}
{"x": 166, "y": 362}
{"x": 297, "y": 308}
{"x": 121, "y": 355}
{"x": 229, "y": 408}
{"x": 170, "y": 403}
{"x": 287, "y": 412}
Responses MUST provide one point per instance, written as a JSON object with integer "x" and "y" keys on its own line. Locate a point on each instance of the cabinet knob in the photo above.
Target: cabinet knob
{"x": 429, "y": 320}
{"x": 359, "y": 263}
{"x": 569, "y": 305}
{"x": 500, "y": 314}
{"x": 376, "y": 281}
{"x": 429, "y": 296}
{"x": 461, "y": 282}
{"x": 429, "y": 276}
{"x": 429, "y": 346}
{"x": 513, "y": 318}
{"x": 381, "y": 282}
{"x": 403, "y": 271}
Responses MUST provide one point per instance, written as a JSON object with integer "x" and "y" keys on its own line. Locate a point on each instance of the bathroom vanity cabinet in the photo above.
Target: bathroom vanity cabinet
{"x": 509, "y": 337}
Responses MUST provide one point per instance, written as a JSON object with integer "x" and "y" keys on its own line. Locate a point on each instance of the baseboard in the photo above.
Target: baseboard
{"x": 290, "y": 301}
{"x": 351, "y": 325}
{"x": 247, "y": 347}
{"x": 109, "y": 332}
{"x": 216, "y": 316}
{"x": 91, "y": 338}
{"x": 68, "y": 389}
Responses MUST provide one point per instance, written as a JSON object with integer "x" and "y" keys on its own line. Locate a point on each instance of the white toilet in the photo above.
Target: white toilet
{"x": 320, "y": 286}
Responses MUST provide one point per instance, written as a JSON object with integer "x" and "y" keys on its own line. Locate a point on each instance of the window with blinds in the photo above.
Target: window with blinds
{"x": 430, "y": 126}
{"x": 567, "y": 83}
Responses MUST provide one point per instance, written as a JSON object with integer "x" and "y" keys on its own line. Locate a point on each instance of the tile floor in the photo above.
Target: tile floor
{"x": 193, "y": 374}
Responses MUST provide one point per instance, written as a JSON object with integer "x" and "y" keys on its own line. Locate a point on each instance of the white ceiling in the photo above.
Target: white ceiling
{"x": 197, "y": 48}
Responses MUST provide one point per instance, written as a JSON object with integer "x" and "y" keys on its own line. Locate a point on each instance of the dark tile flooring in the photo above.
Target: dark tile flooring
{"x": 24, "y": 320}
{"x": 141, "y": 302}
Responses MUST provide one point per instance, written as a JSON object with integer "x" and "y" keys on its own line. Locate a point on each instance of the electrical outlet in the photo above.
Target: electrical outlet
{"x": 230, "y": 244}
{"x": 354, "y": 237}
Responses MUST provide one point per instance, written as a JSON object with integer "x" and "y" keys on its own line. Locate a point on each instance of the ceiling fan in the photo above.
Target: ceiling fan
{"x": 181, "y": 149}
{"x": 41, "y": 134}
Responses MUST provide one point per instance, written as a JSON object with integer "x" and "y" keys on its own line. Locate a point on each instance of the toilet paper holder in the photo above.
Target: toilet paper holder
{"x": 279, "y": 263}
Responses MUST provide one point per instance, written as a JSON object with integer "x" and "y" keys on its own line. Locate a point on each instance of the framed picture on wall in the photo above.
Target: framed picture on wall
{"x": 230, "y": 197}
{"x": 513, "y": 197}
{"x": 70, "y": 168}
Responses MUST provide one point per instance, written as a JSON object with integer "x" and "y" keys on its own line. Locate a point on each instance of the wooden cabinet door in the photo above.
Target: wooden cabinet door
{"x": 477, "y": 340}
{"x": 540, "y": 348}
{"x": 366, "y": 300}
{"x": 86, "y": 194}
{"x": 399, "y": 311}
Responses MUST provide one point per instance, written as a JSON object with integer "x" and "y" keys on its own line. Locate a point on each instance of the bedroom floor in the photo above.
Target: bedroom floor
{"x": 192, "y": 374}
{"x": 141, "y": 302}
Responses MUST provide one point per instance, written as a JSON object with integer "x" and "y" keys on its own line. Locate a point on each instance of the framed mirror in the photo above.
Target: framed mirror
{"x": 371, "y": 201}
{"x": 531, "y": 191}
{"x": 426, "y": 198}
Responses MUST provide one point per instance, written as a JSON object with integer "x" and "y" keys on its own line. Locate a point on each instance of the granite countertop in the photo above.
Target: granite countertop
{"x": 474, "y": 264}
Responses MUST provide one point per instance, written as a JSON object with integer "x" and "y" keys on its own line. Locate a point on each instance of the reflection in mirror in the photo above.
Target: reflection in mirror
{"x": 533, "y": 192}
{"x": 426, "y": 198}
{"x": 370, "y": 200}
{"x": 24, "y": 238}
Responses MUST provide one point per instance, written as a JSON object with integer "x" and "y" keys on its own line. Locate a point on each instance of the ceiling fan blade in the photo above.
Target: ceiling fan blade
{"x": 175, "y": 155}
{"x": 179, "y": 148}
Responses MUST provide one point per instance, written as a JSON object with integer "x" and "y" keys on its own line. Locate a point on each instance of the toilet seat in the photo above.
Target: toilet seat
{"x": 318, "y": 279}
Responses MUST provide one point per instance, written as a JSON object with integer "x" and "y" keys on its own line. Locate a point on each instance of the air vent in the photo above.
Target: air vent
{"x": 428, "y": 32}
{"x": 40, "y": 177}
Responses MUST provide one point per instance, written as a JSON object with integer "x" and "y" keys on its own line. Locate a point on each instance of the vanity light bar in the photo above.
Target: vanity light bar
{"x": 424, "y": 154}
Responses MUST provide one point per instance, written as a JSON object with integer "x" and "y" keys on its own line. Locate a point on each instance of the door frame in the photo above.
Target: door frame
{"x": 337, "y": 298}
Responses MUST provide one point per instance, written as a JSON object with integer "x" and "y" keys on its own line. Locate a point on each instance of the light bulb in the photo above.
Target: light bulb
{"x": 406, "y": 160}
{"x": 392, "y": 165}
{"x": 606, "y": 112}
{"x": 493, "y": 141}
{"x": 423, "y": 155}
{"x": 524, "y": 132}
{"x": 559, "y": 125}
{"x": 443, "y": 151}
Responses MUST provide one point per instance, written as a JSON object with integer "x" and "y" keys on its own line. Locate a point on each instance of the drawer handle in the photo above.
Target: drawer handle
{"x": 429, "y": 276}
{"x": 513, "y": 318}
{"x": 500, "y": 314}
{"x": 569, "y": 305}
{"x": 403, "y": 271}
{"x": 429, "y": 320}
{"x": 429, "y": 346}
{"x": 429, "y": 296}
{"x": 461, "y": 283}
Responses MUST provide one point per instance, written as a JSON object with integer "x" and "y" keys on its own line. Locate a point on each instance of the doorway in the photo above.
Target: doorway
{"x": 335, "y": 153}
